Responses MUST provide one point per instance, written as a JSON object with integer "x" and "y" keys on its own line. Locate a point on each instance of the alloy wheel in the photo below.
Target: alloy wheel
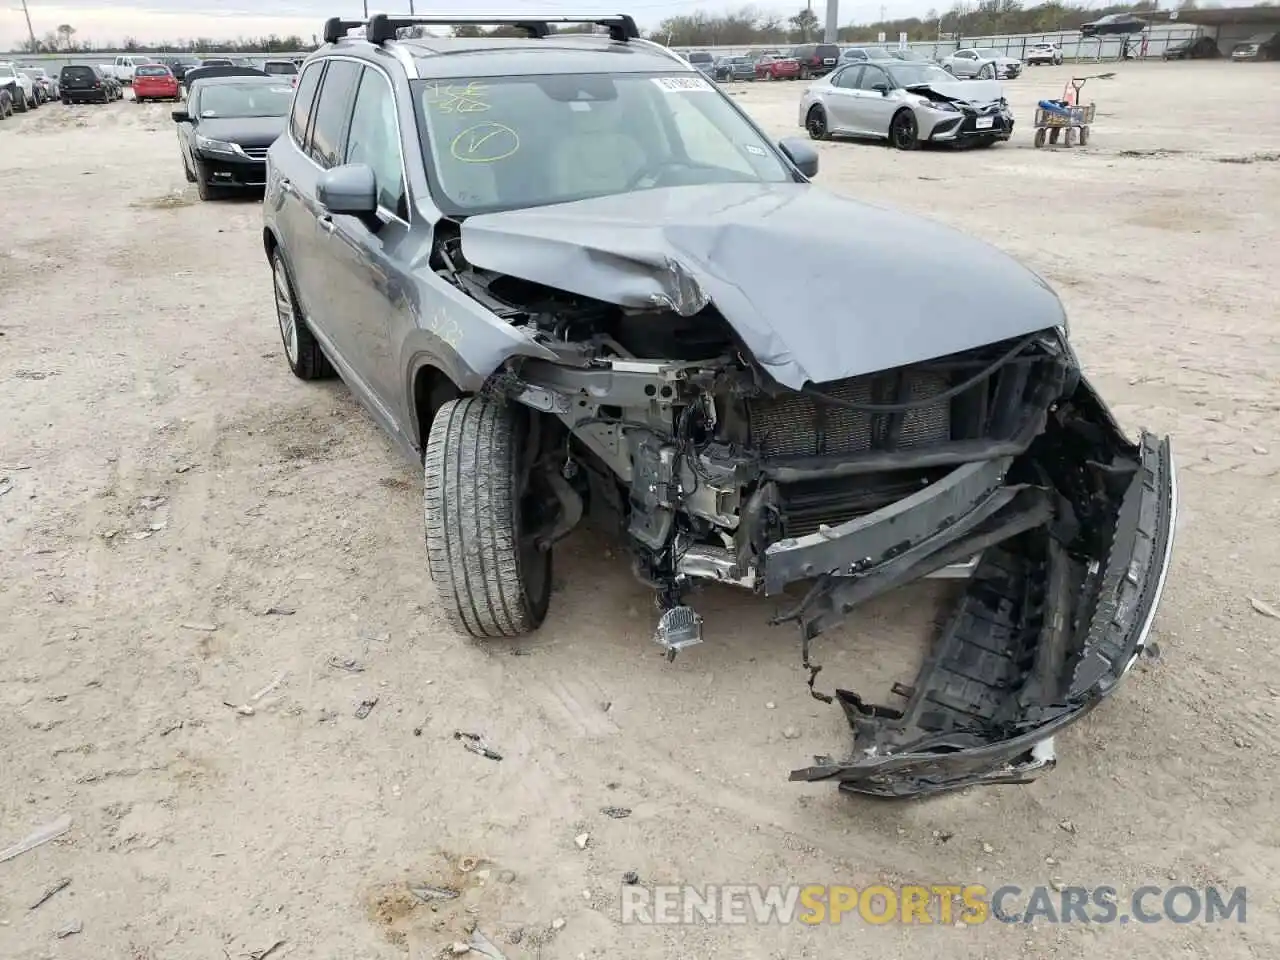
{"x": 816, "y": 123}
{"x": 285, "y": 313}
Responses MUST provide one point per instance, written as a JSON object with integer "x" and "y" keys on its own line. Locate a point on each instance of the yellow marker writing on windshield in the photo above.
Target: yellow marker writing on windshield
{"x": 486, "y": 142}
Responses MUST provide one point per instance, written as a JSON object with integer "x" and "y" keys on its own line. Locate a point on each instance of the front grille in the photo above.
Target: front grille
{"x": 255, "y": 153}
{"x": 799, "y": 426}
{"x": 805, "y": 506}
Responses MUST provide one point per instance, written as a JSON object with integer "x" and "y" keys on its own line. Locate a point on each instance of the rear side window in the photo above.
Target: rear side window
{"x": 828, "y": 50}
{"x": 333, "y": 112}
{"x": 303, "y": 98}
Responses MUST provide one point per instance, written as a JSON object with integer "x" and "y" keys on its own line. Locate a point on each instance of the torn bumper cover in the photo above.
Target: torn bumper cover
{"x": 1039, "y": 638}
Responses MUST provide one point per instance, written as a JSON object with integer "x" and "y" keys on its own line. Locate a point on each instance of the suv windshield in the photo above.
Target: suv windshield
{"x": 499, "y": 143}
{"x": 907, "y": 74}
{"x": 245, "y": 100}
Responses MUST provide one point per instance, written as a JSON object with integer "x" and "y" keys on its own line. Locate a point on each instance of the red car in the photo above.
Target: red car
{"x": 155, "y": 81}
{"x": 770, "y": 67}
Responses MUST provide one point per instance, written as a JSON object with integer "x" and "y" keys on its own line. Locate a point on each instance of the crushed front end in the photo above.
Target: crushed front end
{"x": 997, "y": 464}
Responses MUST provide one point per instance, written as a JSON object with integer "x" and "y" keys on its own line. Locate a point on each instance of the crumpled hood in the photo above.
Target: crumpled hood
{"x": 818, "y": 287}
{"x": 962, "y": 91}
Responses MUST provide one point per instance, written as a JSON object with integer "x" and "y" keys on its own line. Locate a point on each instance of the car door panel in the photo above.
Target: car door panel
{"x": 876, "y": 109}
{"x": 291, "y": 189}
{"x": 842, "y": 100}
{"x": 368, "y": 255}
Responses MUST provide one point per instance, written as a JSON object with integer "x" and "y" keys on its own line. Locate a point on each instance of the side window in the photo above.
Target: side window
{"x": 303, "y": 98}
{"x": 871, "y": 76}
{"x": 848, "y": 78}
{"x": 375, "y": 139}
{"x": 333, "y": 111}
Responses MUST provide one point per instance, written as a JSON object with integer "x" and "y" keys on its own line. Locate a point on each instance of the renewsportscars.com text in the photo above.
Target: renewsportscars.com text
{"x": 945, "y": 904}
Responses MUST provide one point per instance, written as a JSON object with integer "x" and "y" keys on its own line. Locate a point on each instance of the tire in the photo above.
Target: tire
{"x": 489, "y": 587}
{"x": 20, "y": 102}
{"x": 1053, "y": 135}
{"x": 988, "y": 72}
{"x": 1084, "y": 136}
{"x": 186, "y": 170}
{"x": 804, "y": 73}
{"x": 301, "y": 349}
{"x": 815, "y": 121}
{"x": 1040, "y": 135}
{"x": 904, "y": 132}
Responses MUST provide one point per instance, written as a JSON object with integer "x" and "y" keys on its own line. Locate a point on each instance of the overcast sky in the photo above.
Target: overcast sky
{"x": 157, "y": 20}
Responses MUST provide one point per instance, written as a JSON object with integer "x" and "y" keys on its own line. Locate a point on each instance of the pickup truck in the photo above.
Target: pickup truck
{"x": 21, "y": 87}
{"x": 124, "y": 66}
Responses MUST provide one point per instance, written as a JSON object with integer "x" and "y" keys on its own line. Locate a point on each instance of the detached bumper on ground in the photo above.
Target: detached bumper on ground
{"x": 1041, "y": 635}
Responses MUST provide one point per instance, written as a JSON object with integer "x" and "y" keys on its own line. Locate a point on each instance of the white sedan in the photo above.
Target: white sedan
{"x": 981, "y": 64}
{"x": 907, "y": 104}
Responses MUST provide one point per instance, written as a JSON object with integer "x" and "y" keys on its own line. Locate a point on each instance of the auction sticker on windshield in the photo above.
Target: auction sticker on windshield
{"x": 681, "y": 84}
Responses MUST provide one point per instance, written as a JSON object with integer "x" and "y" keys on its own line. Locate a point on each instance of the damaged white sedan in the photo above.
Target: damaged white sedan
{"x": 592, "y": 288}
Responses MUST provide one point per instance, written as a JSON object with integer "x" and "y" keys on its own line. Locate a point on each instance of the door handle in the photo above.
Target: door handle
{"x": 326, "y": 223}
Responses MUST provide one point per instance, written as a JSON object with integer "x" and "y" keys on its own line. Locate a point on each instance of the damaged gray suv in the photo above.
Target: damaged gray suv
{"x": 574, "y": 281}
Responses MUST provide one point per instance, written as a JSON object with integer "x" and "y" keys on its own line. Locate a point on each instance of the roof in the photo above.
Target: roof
{"x": 1218, "y": 16}
{"x": 449, "y": 57}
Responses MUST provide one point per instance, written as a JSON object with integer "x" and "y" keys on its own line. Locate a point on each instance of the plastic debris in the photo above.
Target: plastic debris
{"x": 582, "y": 840}
{"x": 70, "y": 930}
{"x": 37, "y": 837}
{"x": 50, "y": 891}
{"x": 616, "y": 813}
{"x": 485, "y": 947}
{"x": 476, "y": 744}
{"x": 429, "y": 894}
{"x": 1264, "y": 608}
{"x": 366, "y": 707}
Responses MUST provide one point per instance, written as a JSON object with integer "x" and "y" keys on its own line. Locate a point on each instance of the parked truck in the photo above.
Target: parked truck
{"x": 125, "y": 65}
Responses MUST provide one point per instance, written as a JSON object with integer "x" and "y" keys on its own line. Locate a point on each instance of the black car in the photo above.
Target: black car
{"x": 816, "y": 59}
{"x": 208, "y": 69}
{"x": 179, "y": 66}
{"x": 226, "y": 129}
{"x": 1193, "y": 48}
{"x": 86, "y": 83}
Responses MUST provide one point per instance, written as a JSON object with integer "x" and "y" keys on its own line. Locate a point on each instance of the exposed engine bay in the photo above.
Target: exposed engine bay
{"x": 997, "y": 464}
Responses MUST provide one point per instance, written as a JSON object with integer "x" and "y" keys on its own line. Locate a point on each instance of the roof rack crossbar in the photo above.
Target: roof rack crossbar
{"x": 382, "y": 27}
{"x": 335, "y": 28}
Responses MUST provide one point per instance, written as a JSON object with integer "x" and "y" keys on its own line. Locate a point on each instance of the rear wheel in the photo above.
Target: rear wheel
{"x": 482, "y": 553}
{"x": 1084, "y": 136}
{"x": 903, "y": 131}
{"x": 20, "y": 102}
{"x": 1040, "y": 134}
{"x": 815, "y": 122}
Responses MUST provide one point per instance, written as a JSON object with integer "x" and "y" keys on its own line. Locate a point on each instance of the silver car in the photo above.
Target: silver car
{"x": 906, "y": 103}
{"x": 975, "y": 62}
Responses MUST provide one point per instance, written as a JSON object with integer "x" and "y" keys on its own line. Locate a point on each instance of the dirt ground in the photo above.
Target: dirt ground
{"x": 184, "y": 525}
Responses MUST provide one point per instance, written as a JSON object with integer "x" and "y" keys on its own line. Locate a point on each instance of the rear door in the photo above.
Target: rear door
{"x": 291, "y": 177}
{"x": 842, "y": 99}
{"x": 313, "y": 250}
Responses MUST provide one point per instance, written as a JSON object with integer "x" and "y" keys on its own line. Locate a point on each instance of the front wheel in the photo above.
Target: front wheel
{"x": 1040, "y": 135}
{"x": 903, "y": 131}
{"x": 988, "y": 72}
{"x": 493, "y": 577}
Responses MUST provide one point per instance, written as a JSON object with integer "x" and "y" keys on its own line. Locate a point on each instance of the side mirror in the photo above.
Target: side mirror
{"x": 180, "y": 116}
{"x": 882, "y": 87}
{"x": 350, "y": 189}
{"x": 801, "y": 154}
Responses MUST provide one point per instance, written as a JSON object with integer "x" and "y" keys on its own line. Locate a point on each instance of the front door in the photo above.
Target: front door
{"x": 875, "y": 106}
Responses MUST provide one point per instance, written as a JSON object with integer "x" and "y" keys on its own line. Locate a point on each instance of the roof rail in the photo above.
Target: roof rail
{"x": 335, "y": 28}
{"x": 382, "y": 28}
